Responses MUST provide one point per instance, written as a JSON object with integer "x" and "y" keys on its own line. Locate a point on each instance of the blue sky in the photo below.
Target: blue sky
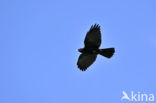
{"x": 39, "y": 38}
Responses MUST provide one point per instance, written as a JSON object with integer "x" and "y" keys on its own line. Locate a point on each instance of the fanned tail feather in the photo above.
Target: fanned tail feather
{"x": 108, "y": 52}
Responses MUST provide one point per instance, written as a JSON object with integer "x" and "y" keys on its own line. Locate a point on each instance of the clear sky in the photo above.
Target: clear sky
{"x": 39, "y": 39}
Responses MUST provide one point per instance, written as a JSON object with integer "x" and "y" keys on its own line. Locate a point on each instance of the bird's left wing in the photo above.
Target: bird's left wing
{"x": 85, "y": 60}
{"x": 93, "y": 37}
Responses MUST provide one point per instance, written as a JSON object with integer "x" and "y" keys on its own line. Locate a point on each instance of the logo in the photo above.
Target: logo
{"x": 137, "y": 96}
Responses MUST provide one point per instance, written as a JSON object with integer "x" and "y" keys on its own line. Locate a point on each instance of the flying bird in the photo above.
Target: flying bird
{"x": 91, "y": 49}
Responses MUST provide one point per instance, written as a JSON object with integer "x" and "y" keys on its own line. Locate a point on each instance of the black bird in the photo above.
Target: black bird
{"x": 91, "y": 49}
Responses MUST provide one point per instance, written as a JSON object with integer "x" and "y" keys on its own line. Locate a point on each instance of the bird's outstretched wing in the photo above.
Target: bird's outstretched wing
{"x": 85, "y": 60}
{"x": 93, "y": 37}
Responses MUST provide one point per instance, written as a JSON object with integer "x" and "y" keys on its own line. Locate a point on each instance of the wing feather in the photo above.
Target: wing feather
{"x": 85, "y": 60}
{"x": 93, "y": 37}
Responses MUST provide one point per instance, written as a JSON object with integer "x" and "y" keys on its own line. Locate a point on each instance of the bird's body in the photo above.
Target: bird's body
{"x": 91, "y": 50}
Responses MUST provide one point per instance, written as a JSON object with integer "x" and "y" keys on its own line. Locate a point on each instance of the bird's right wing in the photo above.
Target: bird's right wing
{"x": 85, "y": 60}
{"x": 93, "y": 37}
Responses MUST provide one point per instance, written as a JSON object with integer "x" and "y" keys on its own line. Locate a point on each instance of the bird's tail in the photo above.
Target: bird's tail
{"x": 108, "y": 52}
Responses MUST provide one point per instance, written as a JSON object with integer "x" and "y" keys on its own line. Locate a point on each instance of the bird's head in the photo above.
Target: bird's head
{"x": 80, "y": 50}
